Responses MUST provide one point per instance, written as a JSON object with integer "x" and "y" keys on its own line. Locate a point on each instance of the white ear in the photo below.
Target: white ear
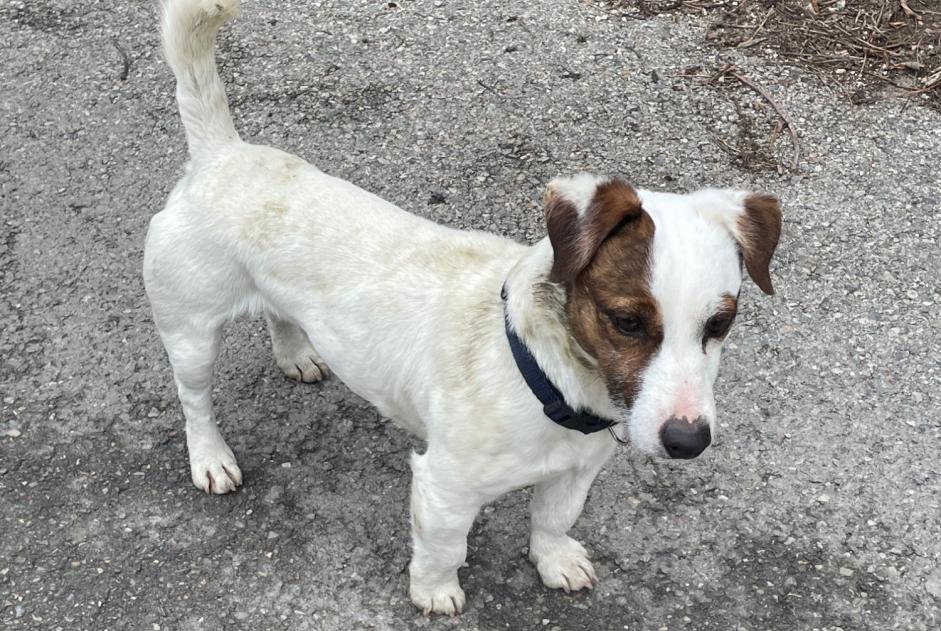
{"x": 753, "y": 219}
{"x": 720, "y": 205}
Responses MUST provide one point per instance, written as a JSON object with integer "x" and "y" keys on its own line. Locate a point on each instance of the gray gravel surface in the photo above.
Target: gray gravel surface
{"x": 818, "y": 508}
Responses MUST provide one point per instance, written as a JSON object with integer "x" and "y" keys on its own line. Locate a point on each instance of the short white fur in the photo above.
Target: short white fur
{"x": 407, "y": 313}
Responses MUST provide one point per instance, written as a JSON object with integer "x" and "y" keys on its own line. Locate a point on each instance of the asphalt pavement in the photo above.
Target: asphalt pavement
{"x": 818, "y": 507}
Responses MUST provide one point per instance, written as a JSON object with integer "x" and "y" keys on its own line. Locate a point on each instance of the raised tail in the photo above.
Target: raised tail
{"x": 189, "y": 31}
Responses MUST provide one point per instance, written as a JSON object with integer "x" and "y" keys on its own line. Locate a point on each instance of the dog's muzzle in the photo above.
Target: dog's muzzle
{"x": 685, "y": 439}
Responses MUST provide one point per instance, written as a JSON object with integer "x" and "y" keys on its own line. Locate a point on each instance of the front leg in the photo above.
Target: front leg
{"x": 443, "y": 510}
{"x": 562, "y": 562}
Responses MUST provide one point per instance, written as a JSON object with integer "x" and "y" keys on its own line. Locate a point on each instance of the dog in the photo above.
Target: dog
{"x": 518, "y": 365}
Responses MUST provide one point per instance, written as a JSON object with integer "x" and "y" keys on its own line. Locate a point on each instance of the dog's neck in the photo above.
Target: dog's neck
{"x": 536, "y": 309}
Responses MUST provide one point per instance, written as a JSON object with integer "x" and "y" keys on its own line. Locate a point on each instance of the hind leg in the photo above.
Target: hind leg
{"x": 193, "y": 350}
{"x": 294, "y": 353}
{"x": 194, "y": 287}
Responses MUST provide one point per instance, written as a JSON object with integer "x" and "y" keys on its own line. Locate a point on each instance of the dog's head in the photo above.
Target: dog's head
{"x": 652, "y": 285}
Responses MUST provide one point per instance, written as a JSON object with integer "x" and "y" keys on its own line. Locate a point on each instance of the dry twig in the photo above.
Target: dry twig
{"x": 125, "y": 60}
{"x": 850, "y": 42}
{"x": 792, "y": 131}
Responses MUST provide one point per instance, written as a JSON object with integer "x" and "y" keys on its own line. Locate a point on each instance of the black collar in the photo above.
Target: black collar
{"x": 553, "y": 403}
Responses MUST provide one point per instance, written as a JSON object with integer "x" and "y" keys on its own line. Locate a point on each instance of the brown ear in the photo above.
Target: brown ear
{"x": 759, "y": 228}
{"x": 582, "y": 212}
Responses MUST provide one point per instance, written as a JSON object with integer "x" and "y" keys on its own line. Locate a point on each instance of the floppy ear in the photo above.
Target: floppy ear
{"x": 581, "y": 212}
{"x": 758, "y": 231}
{"x": 755, "y": 223}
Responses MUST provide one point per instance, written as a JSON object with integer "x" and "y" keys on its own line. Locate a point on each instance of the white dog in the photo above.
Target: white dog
{"x": 519, "y": 365}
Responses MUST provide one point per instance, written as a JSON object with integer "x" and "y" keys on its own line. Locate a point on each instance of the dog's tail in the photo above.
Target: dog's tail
{"x": 189, "y": 31}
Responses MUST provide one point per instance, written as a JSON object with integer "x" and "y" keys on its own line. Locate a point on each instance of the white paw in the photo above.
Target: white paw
{"x": 214, "y": 469}
{"x": 447, "y": 599}
{"x": 308, "y": 367}
{"x": 563, "y": 564}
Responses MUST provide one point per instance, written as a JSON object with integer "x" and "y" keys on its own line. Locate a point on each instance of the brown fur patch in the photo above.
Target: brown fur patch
{"x": 728, "y": 305}
{"x": 616, "y": 283}
{"x": 575, "y": 240}
{"x": 726, "y": 312}
{"x": 760, "y": 229}
{"x": 562, "y": 226}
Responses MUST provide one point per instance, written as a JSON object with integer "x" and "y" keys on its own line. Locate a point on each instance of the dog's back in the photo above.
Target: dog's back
{"x": 252, "y": 228}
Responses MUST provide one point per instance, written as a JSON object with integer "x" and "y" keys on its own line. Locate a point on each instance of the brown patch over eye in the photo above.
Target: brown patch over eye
{"x": 629, "y": 325}
{"x": 718, "y": 325}
{"x": 610, "y": 309}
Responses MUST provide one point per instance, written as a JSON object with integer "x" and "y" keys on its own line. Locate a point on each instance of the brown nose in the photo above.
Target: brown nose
{"x": 684, "y": 439}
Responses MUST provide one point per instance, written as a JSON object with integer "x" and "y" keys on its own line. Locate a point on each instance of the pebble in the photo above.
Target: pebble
{"x": 933, "y": 586}
{"x": 887, "y": 573}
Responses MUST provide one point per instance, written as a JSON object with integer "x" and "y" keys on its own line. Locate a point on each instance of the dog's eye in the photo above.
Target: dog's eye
{"x": 718, "y": 325}
{"x": 628, "y": 325}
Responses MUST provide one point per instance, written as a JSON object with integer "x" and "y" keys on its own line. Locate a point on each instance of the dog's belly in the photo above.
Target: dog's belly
{"x": 399, "y": 346}
{"x": 391, "y": 392}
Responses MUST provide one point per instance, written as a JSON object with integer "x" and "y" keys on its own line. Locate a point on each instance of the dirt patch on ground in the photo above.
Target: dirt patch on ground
{"x": 868, "y": 49}
{"x": 757, "y": 140}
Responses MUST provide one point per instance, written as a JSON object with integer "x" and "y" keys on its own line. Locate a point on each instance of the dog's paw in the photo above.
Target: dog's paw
{"x": 294, "y": 353}
{"x": 306, "y": 367}
{"x": 214, "y": 469}
{"x": 563, "y": 565}
{"x": 447, "y": 599}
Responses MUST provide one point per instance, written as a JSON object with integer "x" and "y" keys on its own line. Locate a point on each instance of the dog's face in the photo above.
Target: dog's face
{"x": 652, "y": 284}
